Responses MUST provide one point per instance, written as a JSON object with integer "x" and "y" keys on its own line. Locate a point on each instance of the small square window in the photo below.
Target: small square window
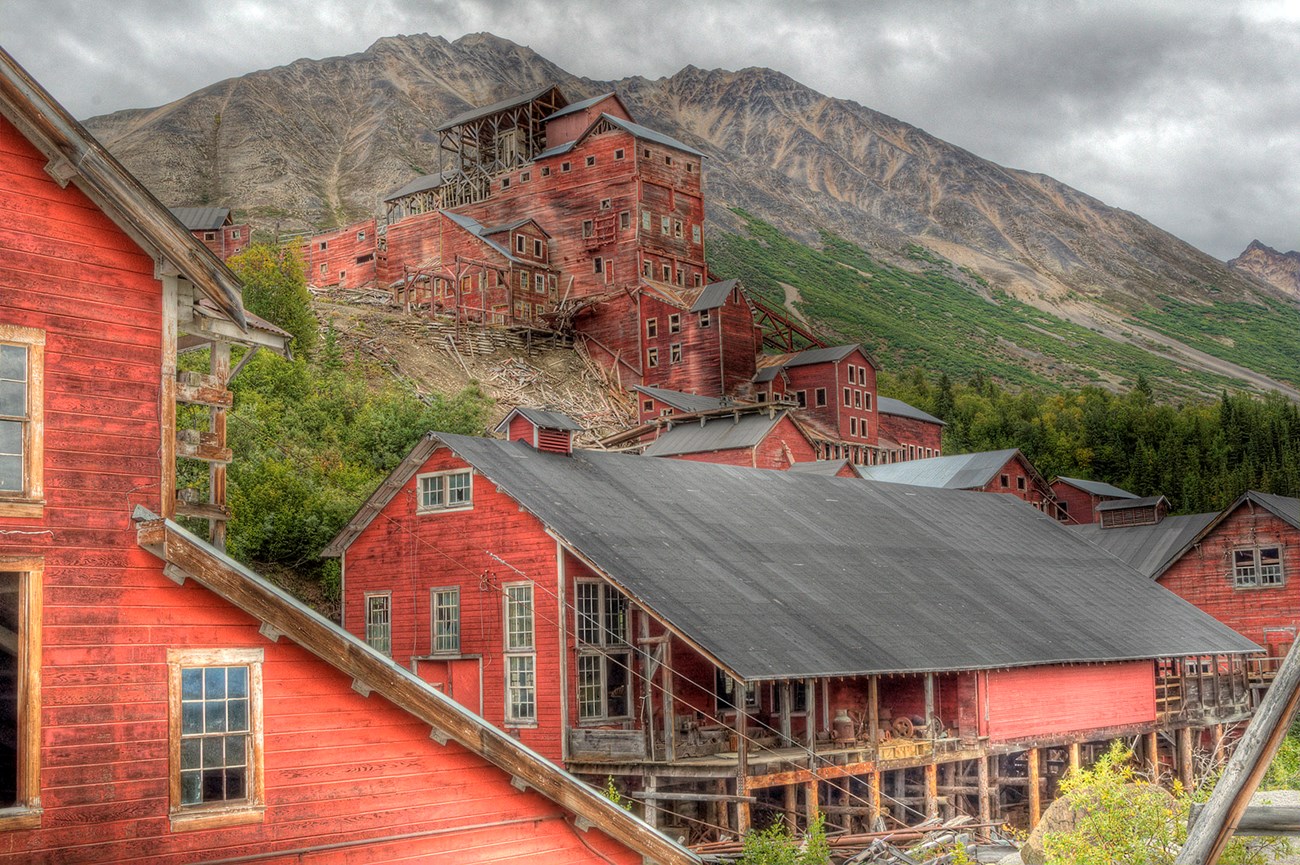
{"x": 361, "y": 236}
{"x": 546, "y": 171}
{"x": 604, "y": 204}
{"x": 525, "y": 177}
{"x": 505, "y": 183}
{"x": 565, "y": 166}
{"x": 1004, "y": 481}
{"x": 618, "y": 154}
{"x": 323, "y": 245}
{"x": 209, "y": 235}
{"x": 648, "y": 405}
{"x": 668, "y": 160}
{"x": 591, "y": 160}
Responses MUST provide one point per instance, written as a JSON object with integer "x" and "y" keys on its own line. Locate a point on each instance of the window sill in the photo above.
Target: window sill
{"x": 21, "y": 817}
{"x": 192, "y": 821}
{"x": 424, "y": 512}
{"x": 22, "y": 508}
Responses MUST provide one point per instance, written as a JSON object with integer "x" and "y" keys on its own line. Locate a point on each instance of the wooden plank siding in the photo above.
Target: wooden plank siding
{"x": 783, "y": 446}
{"x": 344, "y": 257}
{"x": 1203, "y": 575}
{"x": 918, "y": 439}
{"x": 1040, "y": 701}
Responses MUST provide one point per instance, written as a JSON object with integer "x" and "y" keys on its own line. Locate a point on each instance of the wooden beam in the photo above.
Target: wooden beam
{"x": 1267, "y": 820}
{"x": 1210, "y": 834}
{"x": 985, "y": 805}
{"x": 1153, "y": 755}
{"x": 873, "y": 712}
{"x": 669, "y": 796}
{"x": 1185, "y": 757}
{"x": 1035, "y": 787}
{"x": 1076, "y": 761}
{"x": 931, "y": 791}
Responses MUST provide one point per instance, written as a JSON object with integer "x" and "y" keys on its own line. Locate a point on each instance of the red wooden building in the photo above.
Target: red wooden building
{"x": 216, "y": 228}
{"x": 907, "y": 433}
{"x": 1077, "y": 499}
{"x": 609, "y": 610}
{"x": 159, "y": 703}
{"x": 344, "y": 257}
{"x": 761, "y": 438}
{"x": 1005, "y": 471}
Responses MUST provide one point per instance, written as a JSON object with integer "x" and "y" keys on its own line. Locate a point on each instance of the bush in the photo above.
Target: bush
{"x": 776, "y": 846}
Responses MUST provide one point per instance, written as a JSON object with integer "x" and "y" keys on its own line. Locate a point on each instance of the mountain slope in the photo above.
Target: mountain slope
{"x": 319, "y": 141}
{"x": 1279, "y": 269}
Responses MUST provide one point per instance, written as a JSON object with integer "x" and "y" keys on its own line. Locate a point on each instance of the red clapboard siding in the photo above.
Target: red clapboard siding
{"x": 908, "y": 431}
{"x": 409, "y": 554}
{"x": 1203, "y": 576}
{"x": 1038, "y": 701}
{"x": 345, "y": 257}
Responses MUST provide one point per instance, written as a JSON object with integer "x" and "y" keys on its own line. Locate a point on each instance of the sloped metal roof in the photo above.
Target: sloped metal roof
{"x": 543, "y": 419}
{"x": 1130, "y": 502}
{"x": 584, "y": 104}
{"x": 824, "y": 468}
{"x": 202, "y": 218}
{"x": 886, "y": 405}
{"x": 956, "y": 472}
{"x": 647, "y": 134}
{"x": 682, "y": 401}
{"x": 1146, "y": 548}
{"x": 713, "y": 434}
{"x": 474, "y": 227}
{"x": 419, "y": 184}
{"x": 1097, "y": 488}
{"x": 713, "y": 295}
{"x": 777, "y": 575}
{"x": 503, "y": 105}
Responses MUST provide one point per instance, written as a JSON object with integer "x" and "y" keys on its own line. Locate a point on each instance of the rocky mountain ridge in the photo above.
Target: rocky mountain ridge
{"x": 318, "y": 142}
{"x": 1279, "y": 269}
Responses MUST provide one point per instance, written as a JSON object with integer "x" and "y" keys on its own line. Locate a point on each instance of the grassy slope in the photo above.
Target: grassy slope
{"x": 944, "y": 318}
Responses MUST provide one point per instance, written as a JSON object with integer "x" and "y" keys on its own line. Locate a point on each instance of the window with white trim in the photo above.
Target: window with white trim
{"x": 706, "y": 318}
{"x": 675, "y": 353}
{"x": 675, "y": 323}
{"x": 20, "y": 693}
{"x": 521, "y": 661}
{"x": 604, "y": 656}
{"x": 379, "y": 622}
{"x": 215, "y": 702}
{"x": 445, "y": 606}
{"x": 1257, "y": 567}
{"x": 22, "y": 407}
{"x": 445, "y": 491}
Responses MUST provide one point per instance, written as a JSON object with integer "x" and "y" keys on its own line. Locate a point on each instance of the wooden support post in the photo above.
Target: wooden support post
{"x": 929, "y": 705}
{"x": 1185, "y": 757}
{"x": 810, "y": 726}
{"x": 986, "y": 806}
{"x": 787, "y": 697}
{"x": 1035, "y": 787}
{"x": 947, "y": 774}
{"x": 873, "y": 715}
{"x": 812, "y": 800}
{"x": 1217, "y": 732}
{"x": 651, "y": 809}
{"x": 219, "y": 367}
{"x": 790, "y": 797}
{"x": 1076, "y": 760}
{"x": 724, "y": 816}
{"x": 931, "y": 791}
{"x": 898, "y": 777}
{"x": 670, "y": 709}
{"x": 876, "y": 781}
{"x": 171, "y": 311}
{"x": 1153, "y": 755}
{"x": 648, "y": 678}
{"x": 742, "y": 760}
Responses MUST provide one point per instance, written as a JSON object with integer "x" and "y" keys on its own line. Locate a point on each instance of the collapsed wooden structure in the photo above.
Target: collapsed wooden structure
{"x": 721, "y": 639}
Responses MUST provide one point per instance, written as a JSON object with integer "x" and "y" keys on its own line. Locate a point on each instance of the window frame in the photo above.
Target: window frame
{"x": 608, "y": 648}
{"x": 250, "y": 809}
{"x": 652, "y": 357}
{"x": 435, "y": 604}
{"x": 652, "y": 328}
{"x": 706, "y": 317}
{"x": 675, "y": 353}
{"x": 421, "y": 507}
{"x": 387, "y": 624}
{"x": 26, "y": 811}
{"x": 29, "y": 501}
{"x": 675, "y": 322}
{"x": 518, "y": 652}
{"x": 819, "y": 400}
{"x": 1255, "y": 577}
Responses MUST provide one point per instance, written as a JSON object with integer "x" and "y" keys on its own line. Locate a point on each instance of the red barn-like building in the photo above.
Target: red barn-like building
{"x": 1005, "y": 471}
{"x": 610, "y": 611}
{"x": 158, "y": 702}
{"x": 216, "y": 228}
{"x": 1077, "y": 499}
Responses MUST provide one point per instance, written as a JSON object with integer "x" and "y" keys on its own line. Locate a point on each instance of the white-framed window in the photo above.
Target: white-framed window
{"x": 652, "y": 357}
{"x": 588, "y": 228}
{"x": 324, "y": 244}
{"x": 521, "y": 243}
{"x": 848, "y": 397}
{"x": 618, "y": 154}
{"x": 706, "y": 318}
{"x": 695, "y": 234}
{"x": 866, "y": 398}
{"x": 521, "y": 662}
{"x": 22, "y": 408}
{"x": 445, "y": 491}
{"x": 605, "y": 204}
{"x": 675, "y": 353}
{"x": 675, "y": 323}
{"x": 651, "y": 328}
{"x": 819, "y": 397}
{"x": 625, "y": 220}
{"x": 677, "y": 228}
{"x": 445, "y": 612}
{"x": 539, "y": 283}
{"x": 537, "y": 248}
{"x": 236, "y": 234}
{"x": 853, "y": 426}
{"x": 1256, "y": 567}
{"x": 604, "y": 656}
{"x": 857, "y": 399}
{"x": 20, "y": 692}
{"x": 591, "y": 160}
{"x": 215, "y": 737}
{"x": 523, "y": 280}
{"x": 361, "y": 235}
{"x": 645, "y": 220}
{"x": 665, "y": 225}
{"x": 668, "y": 272}
{"x": 379, "y": 621}
{"x": 209, "y": 235}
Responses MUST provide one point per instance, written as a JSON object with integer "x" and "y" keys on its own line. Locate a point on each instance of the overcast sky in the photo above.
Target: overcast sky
{"x": 1186, "y": 112}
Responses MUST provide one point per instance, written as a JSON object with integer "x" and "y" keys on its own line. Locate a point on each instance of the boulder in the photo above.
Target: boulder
{"x": 1062, "y": 817}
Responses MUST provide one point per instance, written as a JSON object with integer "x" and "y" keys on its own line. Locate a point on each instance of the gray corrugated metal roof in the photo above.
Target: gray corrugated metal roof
{"x": 1097, "y": 488}
{"x": 582, "y": 104}
{"x": 824, "y": 468}
{"x": 682, "y": 401}
{"x": 778, "y": 575}
{"x": 956, "y": 472}
{"x": 886, "y": 405}
{"x": 557, "y": 150}
{"x": 543, "y": 418}
{"x": 714, "y": 434}
{"x": 822, "y": 355}
{"x": 474, "y": 227}
{"x": 202, "y": 218}
{"x": 1146, "y": 548}
{"x": 1284, "y": 507}
{"x": 648, "y": 134}
{"x": 504, "y": 104}
{"x": 419, "y": 184}
{"x": 1130, "y": 502}
{"x": 713, "y": 295}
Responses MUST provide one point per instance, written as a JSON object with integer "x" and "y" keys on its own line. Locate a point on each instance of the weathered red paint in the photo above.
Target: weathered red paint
{"x": 916, "y": 438}
{"x": 344, "y": 257}
{"x": 1030, "y": 702}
